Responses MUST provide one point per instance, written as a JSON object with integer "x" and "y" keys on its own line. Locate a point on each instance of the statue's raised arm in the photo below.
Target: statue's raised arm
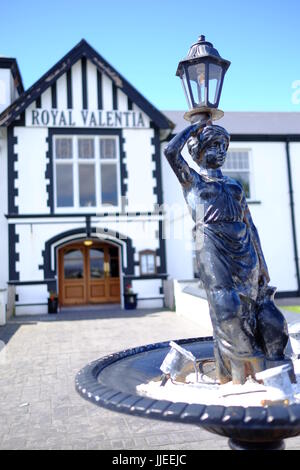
{"x": 173, "y": 150}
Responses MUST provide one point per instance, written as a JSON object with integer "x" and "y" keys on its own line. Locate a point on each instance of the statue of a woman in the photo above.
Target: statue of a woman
{"x": 248, "y": 328}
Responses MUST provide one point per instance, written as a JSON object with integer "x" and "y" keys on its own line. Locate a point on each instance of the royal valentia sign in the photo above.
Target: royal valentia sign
{"x": 85, "y": 118}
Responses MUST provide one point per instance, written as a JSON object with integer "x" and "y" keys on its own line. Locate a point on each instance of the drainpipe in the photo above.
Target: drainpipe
{"x": 292, "y": 206}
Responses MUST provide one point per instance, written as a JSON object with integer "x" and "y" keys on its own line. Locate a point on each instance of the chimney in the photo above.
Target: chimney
{"x": 11, "y": 85}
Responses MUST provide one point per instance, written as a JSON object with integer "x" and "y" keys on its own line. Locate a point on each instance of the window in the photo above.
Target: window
{"x": 147, "y": 262}
{"x": 86, "y": 172}
{"x": 237, "y": 166}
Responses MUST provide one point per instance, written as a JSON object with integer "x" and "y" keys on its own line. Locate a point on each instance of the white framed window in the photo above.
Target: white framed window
{"x": 86, "y": 173}
{"x": 237, "y": 166}
{"x": 147, "y": 262}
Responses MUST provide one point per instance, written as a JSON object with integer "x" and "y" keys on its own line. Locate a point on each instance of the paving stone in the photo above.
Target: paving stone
{"x": 42, "y": 357}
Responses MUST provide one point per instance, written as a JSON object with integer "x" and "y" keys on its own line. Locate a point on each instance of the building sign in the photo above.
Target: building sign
{"x": 85, "y": 118}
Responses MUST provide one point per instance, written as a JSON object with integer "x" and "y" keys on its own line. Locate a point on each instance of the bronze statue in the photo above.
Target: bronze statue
{"x": 250, "y": 333}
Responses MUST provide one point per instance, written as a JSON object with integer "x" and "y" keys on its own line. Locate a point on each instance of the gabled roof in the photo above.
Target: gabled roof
{"x": 82, "y": 49}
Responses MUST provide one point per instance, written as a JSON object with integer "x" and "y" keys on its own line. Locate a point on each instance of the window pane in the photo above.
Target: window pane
{"x": 96, "y": 263}
{"x": 143, "y": 264}
{"x": 73, "y": 264}
{"x": 241, "y": 177}
{"x": 150, "y": 264}
{"x": 63, "y": 148}
{"x": 107, "y": 148}
{"x": 86, "y": 148}
{"x": 87, "y": 195}
{"x": 147, "y": 263}
{"x": 214, "y": 77}
{"x": 109, "y": 188}
{"x": 196, "y": 73}
{"x": 237, "y": 161}
{"x": 64, "y": 185}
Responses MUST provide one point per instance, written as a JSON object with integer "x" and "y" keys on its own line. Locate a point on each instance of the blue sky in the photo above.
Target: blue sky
{"x": 144, "y": 40}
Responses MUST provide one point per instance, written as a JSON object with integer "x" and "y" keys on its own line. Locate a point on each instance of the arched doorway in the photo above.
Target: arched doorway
{"x": 89, "y": 273}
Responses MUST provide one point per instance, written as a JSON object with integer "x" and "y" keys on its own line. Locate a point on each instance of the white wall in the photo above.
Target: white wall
{"x": 5, "y": 89}
{"x": 295, "y": 167}
{"x": 179, "y": 225}
{"x": 271, "y": 217}
{"x": 139, "y": 165}
{"x": 31, "y": 149}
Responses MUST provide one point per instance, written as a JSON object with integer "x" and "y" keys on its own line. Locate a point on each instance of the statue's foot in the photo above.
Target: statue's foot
{"x": 245, "y": 367}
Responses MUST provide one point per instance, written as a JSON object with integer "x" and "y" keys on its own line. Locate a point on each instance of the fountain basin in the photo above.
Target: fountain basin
{"x": 111, "y": 382}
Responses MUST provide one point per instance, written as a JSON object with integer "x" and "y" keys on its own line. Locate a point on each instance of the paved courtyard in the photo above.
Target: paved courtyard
{"x": 39, "y": 407}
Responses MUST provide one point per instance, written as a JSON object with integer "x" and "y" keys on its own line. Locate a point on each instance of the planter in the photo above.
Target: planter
{"x": 52, "y": 305}
{"x": 130, "y": 301}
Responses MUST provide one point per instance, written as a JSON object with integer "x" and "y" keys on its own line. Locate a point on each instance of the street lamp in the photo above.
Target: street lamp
{"x": 202, "y": 73}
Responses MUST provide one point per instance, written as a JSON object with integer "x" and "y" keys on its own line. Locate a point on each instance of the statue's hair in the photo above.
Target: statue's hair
{"x": 210, "y": 133}
{"x": 206, "y": 137}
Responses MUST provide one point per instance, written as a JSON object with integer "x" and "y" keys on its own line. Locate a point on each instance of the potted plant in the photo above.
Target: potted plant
{"x": 130, "y": 298}
{"x": 52, "y": 302}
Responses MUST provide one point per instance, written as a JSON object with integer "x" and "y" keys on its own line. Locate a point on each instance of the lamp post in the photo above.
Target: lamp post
{"x": 202, "y": 73}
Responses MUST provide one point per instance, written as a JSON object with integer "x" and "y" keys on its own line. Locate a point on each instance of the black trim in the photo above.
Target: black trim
{"x": 49, "y": 172}
{"x": 114, "y": 96}
{"x": 12, "y": 158}
{"x": 292, "y": 206}
{"x": 82, "y": 50}
{"x": 264, "y": 137}
{"x": 82, "y": 215}
{"x": 38, "y": 102}
{"x": 286, "y": 294}
{"x": 50, "y": 275}
{"x": 133, "y": 277}
{"x": 53, "y": 96}
{"x": 161, "y": 251}
{"x": 255, "y": 137}
{"x": 30, "y": 305}
{"x": 123, "y": 171}
{"x": 156, "y": 157}
{"x": 69, "y": 89}
{"x": 13, "y": 238}
{"x": 29, "y": 283}
{"x": 88, "y": 225}
{"x": 129, "y": 104}
{"x": 84, "y": 84}
{"x": 99, "y": 89}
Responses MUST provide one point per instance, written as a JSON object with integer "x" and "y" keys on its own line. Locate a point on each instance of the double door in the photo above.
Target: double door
{"x": 89, "y": 274}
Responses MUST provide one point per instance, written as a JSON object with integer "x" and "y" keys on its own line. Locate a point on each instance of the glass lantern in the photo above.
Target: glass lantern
{"x": 202, "y": 73}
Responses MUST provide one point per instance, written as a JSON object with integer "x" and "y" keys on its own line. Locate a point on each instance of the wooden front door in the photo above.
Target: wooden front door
{"x": 89, "y": 274}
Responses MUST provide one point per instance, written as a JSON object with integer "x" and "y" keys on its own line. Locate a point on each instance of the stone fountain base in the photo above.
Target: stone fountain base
{"x": 112, "y": 382}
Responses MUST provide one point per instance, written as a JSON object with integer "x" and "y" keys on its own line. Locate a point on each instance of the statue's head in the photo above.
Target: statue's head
{"x": 208, "y": 148}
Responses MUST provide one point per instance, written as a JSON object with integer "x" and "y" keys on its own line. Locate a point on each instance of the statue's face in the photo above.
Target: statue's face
{"x": 213, "y": 156}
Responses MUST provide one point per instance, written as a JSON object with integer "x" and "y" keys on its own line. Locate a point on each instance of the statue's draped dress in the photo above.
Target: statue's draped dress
{"x": 227, "y": 260}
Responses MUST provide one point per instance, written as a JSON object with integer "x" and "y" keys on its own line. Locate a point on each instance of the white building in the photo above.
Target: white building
{"x": 264, "y": 154}
{"x": 83, "y": 180}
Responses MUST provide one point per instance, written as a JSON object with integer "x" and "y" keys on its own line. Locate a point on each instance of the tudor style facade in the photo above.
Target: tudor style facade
{"x": 84, "y": 181}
